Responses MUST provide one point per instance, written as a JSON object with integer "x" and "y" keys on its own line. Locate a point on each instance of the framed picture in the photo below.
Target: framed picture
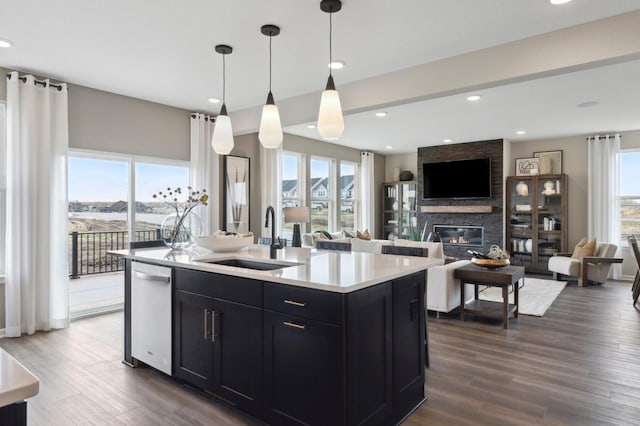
{"x": 236, "y": 194}
{"x": 527, "y": 166}
{"x": 550, "y": 162}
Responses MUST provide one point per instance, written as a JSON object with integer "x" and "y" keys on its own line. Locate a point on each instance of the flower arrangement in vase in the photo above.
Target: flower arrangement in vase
{"x": 182, "y": 228}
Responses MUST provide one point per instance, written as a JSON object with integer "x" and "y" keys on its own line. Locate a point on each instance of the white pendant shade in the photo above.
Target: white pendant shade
{"x": 270, "y": 133}
{"x": 222, "y": 139}
{"x": 330, "y": 120}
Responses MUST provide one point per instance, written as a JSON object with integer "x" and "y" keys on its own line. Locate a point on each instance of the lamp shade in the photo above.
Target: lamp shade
{"x": 296, "y": 215}
{"x": 222, "y": 139}
{"x": 330, "y": 120}
{"x": 270, "y": 133}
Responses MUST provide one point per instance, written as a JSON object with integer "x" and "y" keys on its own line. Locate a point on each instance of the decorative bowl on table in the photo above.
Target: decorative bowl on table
{"x": 223, "y": 243}
{"x": 490, "y": 263}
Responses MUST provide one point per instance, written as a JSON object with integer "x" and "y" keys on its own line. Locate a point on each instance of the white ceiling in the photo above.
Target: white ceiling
{"x": 163, "y": 52}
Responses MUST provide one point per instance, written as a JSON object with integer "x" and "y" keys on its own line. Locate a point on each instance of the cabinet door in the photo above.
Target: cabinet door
{"x": 192, "y": 348}
{"x": 237, "y": 357}
{"x": 408, "y": 342}
{"x": 303, "y": 371}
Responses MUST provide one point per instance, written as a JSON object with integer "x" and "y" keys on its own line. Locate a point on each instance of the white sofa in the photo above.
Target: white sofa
{"x": 443, "y": 290}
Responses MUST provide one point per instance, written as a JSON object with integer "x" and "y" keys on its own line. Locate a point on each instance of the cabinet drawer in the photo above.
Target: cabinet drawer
{"x": 220, "y": 286}
{"x": 307, "y": 303}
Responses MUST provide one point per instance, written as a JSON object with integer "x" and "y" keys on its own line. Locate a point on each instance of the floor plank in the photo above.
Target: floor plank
{"x": 576, "y": 365}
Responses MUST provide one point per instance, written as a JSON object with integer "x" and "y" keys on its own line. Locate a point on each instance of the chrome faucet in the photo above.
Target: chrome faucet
{"x": 275, "y": 245}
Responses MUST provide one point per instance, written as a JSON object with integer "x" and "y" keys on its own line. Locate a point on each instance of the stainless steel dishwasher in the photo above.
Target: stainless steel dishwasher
{"x": 151, "y": 315}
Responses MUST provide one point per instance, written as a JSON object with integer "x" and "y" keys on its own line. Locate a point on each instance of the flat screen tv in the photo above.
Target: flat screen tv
{"x": 457, "y": 179}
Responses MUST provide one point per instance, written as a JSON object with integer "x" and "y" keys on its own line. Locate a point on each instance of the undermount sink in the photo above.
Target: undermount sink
{"x": 250, "y": 264}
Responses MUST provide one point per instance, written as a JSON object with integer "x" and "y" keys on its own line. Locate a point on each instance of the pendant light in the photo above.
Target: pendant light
{"x": 330, "y": 120}
{"x": 222, "y": 139}
{"x": 270, "y": 133}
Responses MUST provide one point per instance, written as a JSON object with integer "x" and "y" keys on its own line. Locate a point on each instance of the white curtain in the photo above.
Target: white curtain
{"x": 367, "y": 216}
{"x": 603, "y": 190}
{"x": 269, "y": 184}
{"x": 37, "y": 295}
{"x": 205, "y": 170}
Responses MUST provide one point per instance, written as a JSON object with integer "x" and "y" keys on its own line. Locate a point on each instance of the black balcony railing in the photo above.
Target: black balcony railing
{"x": 88, "y": 254}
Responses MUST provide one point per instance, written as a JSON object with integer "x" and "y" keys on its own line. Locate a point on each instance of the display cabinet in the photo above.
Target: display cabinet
{"x": 536, "y": 225}
{"x": 399, "y": 210}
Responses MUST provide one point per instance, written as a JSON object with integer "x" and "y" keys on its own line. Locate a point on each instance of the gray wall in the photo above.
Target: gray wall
{"x": 3, "y": 84}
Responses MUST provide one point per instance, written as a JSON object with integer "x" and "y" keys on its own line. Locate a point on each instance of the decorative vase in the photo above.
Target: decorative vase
{"x": 180, "y": 231}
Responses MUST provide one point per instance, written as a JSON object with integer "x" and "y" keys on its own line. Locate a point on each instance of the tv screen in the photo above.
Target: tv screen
{"x": 457, "y": 179}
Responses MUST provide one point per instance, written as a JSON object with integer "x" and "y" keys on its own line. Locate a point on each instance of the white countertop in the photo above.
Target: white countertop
{"x": 330, "y": 270}
{"x": 16, "y": 382}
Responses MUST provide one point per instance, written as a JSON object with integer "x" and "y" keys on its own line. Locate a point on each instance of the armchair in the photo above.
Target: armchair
{"x": 588, "y": 268}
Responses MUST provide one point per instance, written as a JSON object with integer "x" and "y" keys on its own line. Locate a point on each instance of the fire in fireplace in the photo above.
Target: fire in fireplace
{"x": 472, "y": 236}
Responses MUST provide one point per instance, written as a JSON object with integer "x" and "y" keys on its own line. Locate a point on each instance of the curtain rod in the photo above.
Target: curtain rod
{"x": 36, "y": 82}
{"x": 206, "y": 117}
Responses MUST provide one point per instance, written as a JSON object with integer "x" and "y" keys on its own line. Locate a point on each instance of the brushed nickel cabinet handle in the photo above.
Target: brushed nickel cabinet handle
{"x": 293, "y": 302}
{"x": 151, "y": 277}
{"x": 292, "y": 324}
{"x": 206, "y": 313}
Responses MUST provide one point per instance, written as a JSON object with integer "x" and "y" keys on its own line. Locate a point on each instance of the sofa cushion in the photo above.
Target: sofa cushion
{"x": 584, "y": 248}
{"x": 367, "y": 246}
{"x": 564, "y": 265}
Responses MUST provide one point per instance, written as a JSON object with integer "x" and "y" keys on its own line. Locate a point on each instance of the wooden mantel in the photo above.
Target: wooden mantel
{"x": 456, "y": 209}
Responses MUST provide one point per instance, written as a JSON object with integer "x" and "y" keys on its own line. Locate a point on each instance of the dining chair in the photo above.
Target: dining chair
{"x": 636, "y": 254}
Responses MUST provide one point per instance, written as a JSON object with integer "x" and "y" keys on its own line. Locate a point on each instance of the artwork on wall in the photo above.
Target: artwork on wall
{"x": 236, "y": 194}
{"x": 550, "y": 162}
{"x": 527, "y": 166}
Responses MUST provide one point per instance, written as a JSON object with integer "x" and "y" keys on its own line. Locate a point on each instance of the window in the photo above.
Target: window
{"x": 629, "y": 194}
{"x": 348, "y": 191}
{"x": 321, "y": 190}
{"x": 292, "y": 189}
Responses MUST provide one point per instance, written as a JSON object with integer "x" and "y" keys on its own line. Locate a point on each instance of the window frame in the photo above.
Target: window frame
{"x": 620, "y": 198}
{"x": 3, "y": 188}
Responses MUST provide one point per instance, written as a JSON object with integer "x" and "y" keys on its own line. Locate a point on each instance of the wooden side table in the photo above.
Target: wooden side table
{"x": 501, "y": 277}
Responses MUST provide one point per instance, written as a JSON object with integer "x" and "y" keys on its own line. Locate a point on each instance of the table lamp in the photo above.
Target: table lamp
{"x": 296, "y": 215}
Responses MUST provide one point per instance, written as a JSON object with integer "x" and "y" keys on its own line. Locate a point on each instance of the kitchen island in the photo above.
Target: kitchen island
{"x": 311, "y": 337}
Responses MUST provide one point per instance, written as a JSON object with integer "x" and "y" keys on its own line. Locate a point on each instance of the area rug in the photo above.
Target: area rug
{"x": 535, "y": 296}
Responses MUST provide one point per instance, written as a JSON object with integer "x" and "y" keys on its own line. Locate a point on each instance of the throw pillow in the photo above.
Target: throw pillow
{"x": 363, "y": 235}
{"x": 349, "y": 234}
{"x": 327, "y": 235}
{"x": 584, "y": 248}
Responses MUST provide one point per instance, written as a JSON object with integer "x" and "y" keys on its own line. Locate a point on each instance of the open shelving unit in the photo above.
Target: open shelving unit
{"x": 399, "y": 210}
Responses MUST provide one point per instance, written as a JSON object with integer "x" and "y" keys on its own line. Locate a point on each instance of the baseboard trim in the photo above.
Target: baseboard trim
{"x": 96, "y": 311}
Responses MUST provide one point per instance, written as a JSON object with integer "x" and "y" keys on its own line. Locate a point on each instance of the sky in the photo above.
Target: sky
{"x": 107, "y": 180}
{"x": 319, "y": 168}
{"x": 630, "y": 173}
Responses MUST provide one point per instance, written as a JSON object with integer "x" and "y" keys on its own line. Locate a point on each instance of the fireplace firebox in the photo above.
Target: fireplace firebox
{"x": 464, "y": 235}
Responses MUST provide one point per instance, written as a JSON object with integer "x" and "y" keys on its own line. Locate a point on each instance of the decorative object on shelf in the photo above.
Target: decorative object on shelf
{"x": 522, "y": 188}
{"x": 180, "y": 230}
{"x": 527, "y": 166}
{"x": 296, "y": 215}
{"x": 528, "y": 245}
{"x": 222, "y": 139}
{"x": 270, "y": 133}
{"x": 406, "y": 175}
{"x": 550, "y": 162}
{"x": 222, "y": 241}
{"x": 549, "y": 188}
{"x": 330, "y": 120}
{"x": 236, "y": 194}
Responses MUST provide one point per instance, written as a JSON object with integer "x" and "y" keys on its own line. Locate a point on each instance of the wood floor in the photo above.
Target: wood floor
{"x": 578, "y": 365}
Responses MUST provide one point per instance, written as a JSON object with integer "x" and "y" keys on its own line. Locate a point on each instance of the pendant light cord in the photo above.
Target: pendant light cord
{"x": 270, "y": 37}
{"x": 330, "y": 38}
{"x": 224, "y": 79}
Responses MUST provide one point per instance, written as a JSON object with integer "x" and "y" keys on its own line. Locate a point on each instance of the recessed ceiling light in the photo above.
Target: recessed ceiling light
{"x": 473, "y": 98}
{"x": 389, "y": 147}
{"x": 588, "y": 104}
{"x": 214, "y": 100}
{"x": 311, "y": 126}
{"x": 521, "y": 132}
{"x": 336, "y": 65}
{"x": 5, "y": 43}
{"x": 381, "y": 114}
{"x": 446, "y": 140}
{"x": 556, "y": 2}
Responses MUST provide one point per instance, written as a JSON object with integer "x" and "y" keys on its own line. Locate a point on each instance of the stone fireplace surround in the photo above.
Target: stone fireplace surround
{"x": 468, "y": 236}
{"x": 486, "y": 213}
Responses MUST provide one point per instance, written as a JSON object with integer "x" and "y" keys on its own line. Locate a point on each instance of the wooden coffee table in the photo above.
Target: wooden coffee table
{"x": 501, "y": 277}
